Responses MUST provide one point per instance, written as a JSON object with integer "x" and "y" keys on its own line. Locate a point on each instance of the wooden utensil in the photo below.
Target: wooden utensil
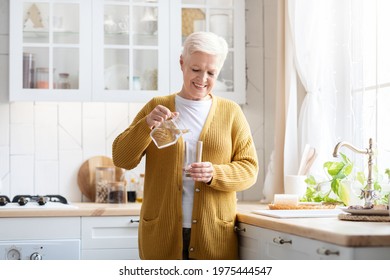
{"x": 86, "y": 175}
{"x": 309, "y": 161}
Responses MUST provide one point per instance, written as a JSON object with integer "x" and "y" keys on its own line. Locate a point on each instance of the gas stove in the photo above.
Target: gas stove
{"x": 34, "y": 202}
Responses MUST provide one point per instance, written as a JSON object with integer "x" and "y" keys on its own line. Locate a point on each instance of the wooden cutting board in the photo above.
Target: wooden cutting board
{"x": 86, "y": 174}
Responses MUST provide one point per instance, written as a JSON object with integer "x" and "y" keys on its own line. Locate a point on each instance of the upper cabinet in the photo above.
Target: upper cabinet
{"x": 123, "y": 50}
{"x": 50, "y": 50}
{"x": 130, "y": 47}
{"x": 223, "y": 17}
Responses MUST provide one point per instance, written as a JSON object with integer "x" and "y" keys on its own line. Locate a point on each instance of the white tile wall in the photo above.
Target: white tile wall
{"x": 42, "y": 145}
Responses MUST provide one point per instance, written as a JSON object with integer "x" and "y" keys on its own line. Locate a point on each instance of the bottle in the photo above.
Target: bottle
{"x": 132, "y": 181}
{"x": 28, "y": 70}
{"x": 140, "y": 188}
{"x": 63, "y": 81}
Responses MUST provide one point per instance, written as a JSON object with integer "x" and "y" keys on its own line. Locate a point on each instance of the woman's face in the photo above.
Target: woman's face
{"x": 199, "y": 75}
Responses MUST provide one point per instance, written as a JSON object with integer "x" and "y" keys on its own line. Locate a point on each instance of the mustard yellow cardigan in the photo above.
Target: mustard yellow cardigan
{"x": 228, "y": 144}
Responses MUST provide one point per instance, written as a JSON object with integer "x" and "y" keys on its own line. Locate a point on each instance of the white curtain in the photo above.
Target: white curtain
{"x": 309, "y": 52}
{"x": 312, "y": 27}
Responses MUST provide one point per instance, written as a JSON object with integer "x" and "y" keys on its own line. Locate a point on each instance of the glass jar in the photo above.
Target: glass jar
{"x": 103, "y": 176}
{"x": 42, "y": 78}
{"x": 63, "y": 81}
{"x": 117, "y": 192}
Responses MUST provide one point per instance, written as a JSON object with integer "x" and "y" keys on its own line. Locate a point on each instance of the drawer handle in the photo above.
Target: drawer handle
{"x": 237, "y": 229}
{"x": 134, "y": 221}
{"x": 279, "y": 240}
{"x": 327, "y": 252}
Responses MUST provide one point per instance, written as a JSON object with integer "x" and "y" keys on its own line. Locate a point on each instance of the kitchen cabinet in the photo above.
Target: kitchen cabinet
{"x": 48, "y": 38}
{"x": 106, "y": 238}
{"x": 83, "y": 50}
{"x": 265, "y": 244}
{"x": 223, "y": 17}
{"x": 46, "y": 238}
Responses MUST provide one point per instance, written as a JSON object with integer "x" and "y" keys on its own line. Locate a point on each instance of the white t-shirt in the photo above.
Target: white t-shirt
{"x": 193, "y": 115}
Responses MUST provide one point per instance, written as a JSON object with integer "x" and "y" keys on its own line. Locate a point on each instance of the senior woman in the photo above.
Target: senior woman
{"x": 191, "y": 217}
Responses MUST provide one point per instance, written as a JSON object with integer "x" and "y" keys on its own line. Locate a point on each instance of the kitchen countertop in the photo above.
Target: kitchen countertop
{"x": 332, "y": 230}
{"x": 79, "y": 209}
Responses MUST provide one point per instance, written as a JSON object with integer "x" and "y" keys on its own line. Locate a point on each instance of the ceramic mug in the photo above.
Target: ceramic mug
{"x": 295, "y": 184}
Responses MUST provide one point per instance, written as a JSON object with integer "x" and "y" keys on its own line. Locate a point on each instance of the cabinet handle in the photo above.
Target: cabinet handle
{"x": 134, "y": 221}
{"x": 237, "y": 229}
{"x": 279, "y": 240}
{"x": 327, "y": 252}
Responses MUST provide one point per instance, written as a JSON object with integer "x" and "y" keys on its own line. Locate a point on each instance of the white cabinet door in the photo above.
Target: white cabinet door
{"x": 49, "y": 40}
{"x": 109, "y": 237}
{"x": 223, "y": 17}
{"x": 130, "y": 50}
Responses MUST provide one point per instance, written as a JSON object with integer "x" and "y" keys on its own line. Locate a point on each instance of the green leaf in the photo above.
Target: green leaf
{"x": 310, "y": 180}
{"x": 343, "y": 193}
{"x": 347, "y": 169}
{"x": 333, "y": 167}
{"x": 377, "y": 187}
{"x": 345, "y": 159}
{"x": 361, "y": 177}
{"x": 335, "y": 186}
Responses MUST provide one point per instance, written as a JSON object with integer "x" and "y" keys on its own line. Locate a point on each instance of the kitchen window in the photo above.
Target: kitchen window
{"x": 339, "y": 51}
{"x": 370, "y": 77}
{"x": 354, "y": 78}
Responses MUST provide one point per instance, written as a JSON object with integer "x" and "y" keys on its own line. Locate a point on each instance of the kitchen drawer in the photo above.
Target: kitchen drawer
{"x": 282, "y": 246}
{"x": 260, "y": 243}
{"x": 40, "y": 228}
{"x": 118, "y": 232}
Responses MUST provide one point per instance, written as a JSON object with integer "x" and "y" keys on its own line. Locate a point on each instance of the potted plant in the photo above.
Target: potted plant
{"x": 339, "y": 179}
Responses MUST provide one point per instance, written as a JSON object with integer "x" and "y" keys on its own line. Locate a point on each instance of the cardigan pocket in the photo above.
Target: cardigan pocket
{"x": 225, "y": 223}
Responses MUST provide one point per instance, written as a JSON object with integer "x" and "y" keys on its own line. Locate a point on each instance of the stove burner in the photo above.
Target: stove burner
{"x": 41, "y": 200}
{"x": 4, "y": 200}
{"x": 22, "y": 201}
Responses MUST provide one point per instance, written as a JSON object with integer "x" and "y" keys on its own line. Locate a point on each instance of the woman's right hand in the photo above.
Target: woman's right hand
{"x": 158, "y": 115}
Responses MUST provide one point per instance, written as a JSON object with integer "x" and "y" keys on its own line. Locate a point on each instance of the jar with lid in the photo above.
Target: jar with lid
{"x": 117, "y": 192}
{"x": 42, "y": 77}
{"x": 103, "y": 176}
{"x": 63, "y": 81}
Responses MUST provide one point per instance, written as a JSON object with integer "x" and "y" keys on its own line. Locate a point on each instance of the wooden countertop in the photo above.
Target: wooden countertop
{"x": 81, "y": 209}
{"x": 332, "y": 230}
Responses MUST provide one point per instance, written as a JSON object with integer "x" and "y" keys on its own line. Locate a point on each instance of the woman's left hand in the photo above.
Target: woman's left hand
{"x": 202, "y": 171}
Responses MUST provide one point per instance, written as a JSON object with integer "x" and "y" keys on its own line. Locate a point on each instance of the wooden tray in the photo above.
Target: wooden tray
{"x": 304, "y": 206}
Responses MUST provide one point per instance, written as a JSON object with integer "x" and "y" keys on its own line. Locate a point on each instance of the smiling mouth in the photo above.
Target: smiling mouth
{"x": 199, "y": 86}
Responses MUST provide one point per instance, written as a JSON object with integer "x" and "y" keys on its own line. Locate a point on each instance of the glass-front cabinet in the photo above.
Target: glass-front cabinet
{"x": 130, "y": 47}
{"x": 49, "y": 54}
{"x": 118, "y": 50}
{"x": 225, "y": 18}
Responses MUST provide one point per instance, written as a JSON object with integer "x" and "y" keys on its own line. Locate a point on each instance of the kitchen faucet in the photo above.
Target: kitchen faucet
{"x": 368, "y": 193}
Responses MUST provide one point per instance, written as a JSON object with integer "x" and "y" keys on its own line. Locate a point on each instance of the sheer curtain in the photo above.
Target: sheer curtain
{"x": 311, "y": 24}
{"x": 316, "y": 49}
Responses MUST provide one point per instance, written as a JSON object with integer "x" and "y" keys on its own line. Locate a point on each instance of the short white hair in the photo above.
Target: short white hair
{"x": 206, "y": 42}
